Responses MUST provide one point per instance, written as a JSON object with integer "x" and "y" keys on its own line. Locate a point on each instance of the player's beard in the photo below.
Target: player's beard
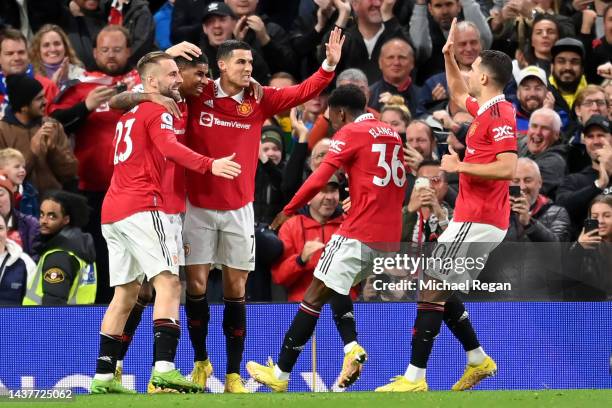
{"x": 171, "y": 93}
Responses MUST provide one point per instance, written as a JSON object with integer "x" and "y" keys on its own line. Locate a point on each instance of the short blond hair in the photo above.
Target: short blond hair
{"x": 8, "y": 154}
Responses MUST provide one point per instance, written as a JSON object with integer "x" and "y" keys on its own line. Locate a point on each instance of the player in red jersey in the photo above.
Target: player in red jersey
{"x": 219, "y": 223}
{"x": 481, "y": 214}
{"x": 135, "y": 225}
{"x": 370, "y": 153}
{"x": 194, "y": 74}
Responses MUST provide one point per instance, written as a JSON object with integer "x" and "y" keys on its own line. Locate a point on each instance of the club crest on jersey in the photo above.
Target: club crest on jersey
{"x": 472, "y": 129}
{"x": 245, "y": 108}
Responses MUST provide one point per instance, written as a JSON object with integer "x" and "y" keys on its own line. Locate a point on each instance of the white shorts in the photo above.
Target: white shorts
{"x": 140, "y": 245}
{"x": 468, "y": 244}
{"x": 176, "y": 233}
{"x": 220, "y": 237}
{"x": 344, "y": 263}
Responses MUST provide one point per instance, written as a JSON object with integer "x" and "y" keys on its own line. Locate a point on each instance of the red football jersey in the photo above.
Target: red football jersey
{"x": 220, "y": 125}
{"x": 372, "y": 156}
{"x": 141, "y": 136}
{"x": 492, "y": 132}
{"x": 94, "y": 138}
{"x": 173, "y": 178}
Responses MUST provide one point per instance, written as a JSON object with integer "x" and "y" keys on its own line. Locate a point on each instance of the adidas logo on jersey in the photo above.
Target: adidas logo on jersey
{"x": 209, "y": 102}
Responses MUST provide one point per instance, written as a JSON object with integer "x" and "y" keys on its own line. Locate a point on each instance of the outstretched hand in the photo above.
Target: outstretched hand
{"x": 226, "y": 168}
{"x": 450, "y": 41}
{"x": 333, "y": 47}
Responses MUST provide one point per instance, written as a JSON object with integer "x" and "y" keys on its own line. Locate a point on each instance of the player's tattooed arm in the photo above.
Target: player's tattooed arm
{"x": 126, "y": 101}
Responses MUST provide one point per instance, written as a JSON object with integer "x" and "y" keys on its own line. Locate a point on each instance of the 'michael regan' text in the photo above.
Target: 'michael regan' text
{"x": 465, "y": 286}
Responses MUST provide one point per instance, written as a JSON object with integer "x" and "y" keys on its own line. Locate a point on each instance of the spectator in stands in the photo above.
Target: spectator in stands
{"x": 591, "y": 100}
{"x": 13, "y": 165}
{"x": 543, "y": 145}
{"x": 374, "y": 25}
{"x": 282, "y": 119}
{"x": 83, "y": 22}
{"x": 396, "y": 62}
{"x": 322, "y": 128}
{"x": 534, "y": 217}
{"x": 53, "y": 57}
{"x": 589, "y": 259}
{"x": 268, "y": 202}
{"x": 566, "y": 78}
{"x": 187, "y": 20}
{"x": 597, "y": 39}
{"x": 578, "y": 189}
{"x": 267, "y": 38}
{"x": 17, "y": 268}
{"x": 397, "y": 115}
{"x": 512, "y": 22}
{"x": 218, "y": 24}
{"x": 310, "y": 27}
{"x": 137, "y": 19}
{"x": 532, "y": 94}
{"x": 14, "y": 60}
{"x": 22, "y": 228}
{"x": 427, "y": 214}
{"x": 429, "y": 25}
{"x": 163, "y": 25}
{"x": 66, "y": 271}
{"x": 50, "y": 162}
{"x": 83, "y": 109}
{"x": 268, "y": 197}
{"x": 543, "y": 35}
{"x": 467, "y": 47}
{"x": 304, "y": 237}
{"x": 28, "y": 16}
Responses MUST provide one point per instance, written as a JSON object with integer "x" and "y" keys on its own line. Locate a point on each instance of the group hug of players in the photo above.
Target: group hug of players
{"x": 190, "y": 146}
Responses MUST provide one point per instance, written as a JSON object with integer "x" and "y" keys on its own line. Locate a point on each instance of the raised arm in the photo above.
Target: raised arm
{"x": 456, "y": 85}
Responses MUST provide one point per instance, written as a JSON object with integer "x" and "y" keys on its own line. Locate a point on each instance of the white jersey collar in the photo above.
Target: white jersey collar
{"x": 365, "y": 116}
{"x": 491, "y": 102}
{"x": 220, "y": 93}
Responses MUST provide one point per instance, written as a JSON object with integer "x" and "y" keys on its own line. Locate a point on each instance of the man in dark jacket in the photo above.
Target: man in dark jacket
{"x": 578, "y": 189}
{"x": 542, "y": 145}
{"x": 67, "y": 262}
{"x": 396, "y": 63}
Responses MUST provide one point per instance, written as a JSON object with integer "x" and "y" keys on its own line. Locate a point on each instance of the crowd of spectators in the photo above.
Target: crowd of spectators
{"x": 62, "y": 60}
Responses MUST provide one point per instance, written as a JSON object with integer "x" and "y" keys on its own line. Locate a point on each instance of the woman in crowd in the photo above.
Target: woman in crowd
{"x": 589, "y": 276}
{"x": 53, "y": 56}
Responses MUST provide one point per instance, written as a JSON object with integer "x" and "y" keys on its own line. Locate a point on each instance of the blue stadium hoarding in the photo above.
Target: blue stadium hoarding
{"x": 536, "y": 346}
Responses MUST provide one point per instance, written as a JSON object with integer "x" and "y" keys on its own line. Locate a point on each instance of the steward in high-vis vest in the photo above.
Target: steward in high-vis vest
{"x": 66, "y": 270}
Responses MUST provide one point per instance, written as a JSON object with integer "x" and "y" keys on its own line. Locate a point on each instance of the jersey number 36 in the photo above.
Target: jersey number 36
{"x": 395, "y": 171}
{"x": 119, "y": 136}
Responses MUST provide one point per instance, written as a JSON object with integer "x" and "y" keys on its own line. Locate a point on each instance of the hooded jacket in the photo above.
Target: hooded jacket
{"x": 290, "y": 272}
{"x": 46, "y": 171}
{"x": 15, "y": 272}
{"x": 62, "y": 263}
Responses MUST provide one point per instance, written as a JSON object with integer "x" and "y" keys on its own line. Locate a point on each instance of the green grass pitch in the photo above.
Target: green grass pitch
{"x": 442, "y": 399}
